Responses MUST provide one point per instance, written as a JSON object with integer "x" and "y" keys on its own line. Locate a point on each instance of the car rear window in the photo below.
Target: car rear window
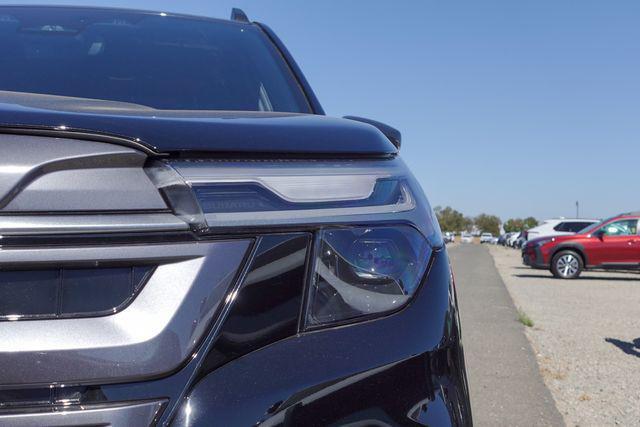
{"x": 151, "y": 59}
{"x": 572, "y": 226}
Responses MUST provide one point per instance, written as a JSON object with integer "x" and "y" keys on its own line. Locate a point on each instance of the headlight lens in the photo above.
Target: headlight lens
{"x": 221, "y": 196}
{"x": 541, "y": 243}
{"x": 365, "y": 271}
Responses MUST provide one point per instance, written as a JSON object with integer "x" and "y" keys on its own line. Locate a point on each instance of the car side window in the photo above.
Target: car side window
{"x": 561, "y": 227}
{"x": 576, "y": 226}
{"x": 625, "y": 227}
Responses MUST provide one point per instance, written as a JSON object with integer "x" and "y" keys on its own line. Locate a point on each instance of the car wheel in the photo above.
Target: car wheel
{"x": 566, "y": 265}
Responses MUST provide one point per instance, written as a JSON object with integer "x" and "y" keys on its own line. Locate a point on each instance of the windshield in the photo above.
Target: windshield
{"x": 151, "y": 59}
{"x": 591, "y": 228}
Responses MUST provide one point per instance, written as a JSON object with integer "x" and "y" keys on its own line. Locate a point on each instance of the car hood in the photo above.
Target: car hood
{"x": 168, "y": 131}
{"x": 551, "y": 238}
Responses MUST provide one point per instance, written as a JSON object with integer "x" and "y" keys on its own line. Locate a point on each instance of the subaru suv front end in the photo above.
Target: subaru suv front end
{"x": 186, "y": 238}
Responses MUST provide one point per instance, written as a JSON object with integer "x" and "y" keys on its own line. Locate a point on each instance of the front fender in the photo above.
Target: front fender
{"x": 403, "y": 369}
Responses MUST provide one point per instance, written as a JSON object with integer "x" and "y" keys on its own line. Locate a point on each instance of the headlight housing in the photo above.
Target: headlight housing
{"x": 364, "y": 271}
{"x": 374, "y": 228}
{"x": 225, "y": 196}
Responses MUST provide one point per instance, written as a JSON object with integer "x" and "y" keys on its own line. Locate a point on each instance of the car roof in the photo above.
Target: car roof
{"x": 571, "y": 219}
{"x": 123, "y": 9}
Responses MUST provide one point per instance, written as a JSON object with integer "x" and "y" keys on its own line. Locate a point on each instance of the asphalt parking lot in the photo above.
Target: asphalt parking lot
{"x": 579, "y": 364}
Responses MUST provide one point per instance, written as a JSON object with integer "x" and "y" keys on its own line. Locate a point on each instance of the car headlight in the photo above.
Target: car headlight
{"x": 541, "y": 243}
{"x": 224, "y": 196}
{"x": 358, "y": 271}
{"x": 364, "y": 271}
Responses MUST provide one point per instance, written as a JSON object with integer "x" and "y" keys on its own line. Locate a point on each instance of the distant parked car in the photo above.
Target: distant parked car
{"x": 610, "y": 244}
{"x": 504, "y": 239}
{"x": 486, "y": 238}
{"x": 559, "y": 227}
{"x": 511, "y": 241}
{"x": 494, "y": 240}
{"x": 466, "y": 237}
{"x": 449, "y": 237}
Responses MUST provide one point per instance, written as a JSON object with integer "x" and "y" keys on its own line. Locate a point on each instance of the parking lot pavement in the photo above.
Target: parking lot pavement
{"x": 586, "y": 335}
{"x": 506, "y": 386}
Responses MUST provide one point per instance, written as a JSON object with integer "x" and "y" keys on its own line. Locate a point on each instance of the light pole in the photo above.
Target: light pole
{"x": 577, "y": 209}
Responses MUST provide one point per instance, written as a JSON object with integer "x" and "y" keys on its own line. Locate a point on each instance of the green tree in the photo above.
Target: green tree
{"x": 468, "y": 223}
{"x": 530, "y": 222}
{"x": 450, "y": 219}
{"x": 513, "y": 225}
{"x": 519, "y": 224}
{"x": 488, "y": 224}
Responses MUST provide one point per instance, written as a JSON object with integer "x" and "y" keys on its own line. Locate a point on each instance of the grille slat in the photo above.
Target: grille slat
{"x": 68, "y": 292}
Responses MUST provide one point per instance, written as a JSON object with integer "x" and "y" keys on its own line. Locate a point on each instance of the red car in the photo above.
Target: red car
{"x": 612, "y": 243}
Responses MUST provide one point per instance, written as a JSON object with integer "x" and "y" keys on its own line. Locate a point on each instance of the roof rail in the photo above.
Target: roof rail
{"x": 239, "y": 15}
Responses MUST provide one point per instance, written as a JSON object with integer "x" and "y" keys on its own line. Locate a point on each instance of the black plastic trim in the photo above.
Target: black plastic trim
{"x": 620, "y": 265}
{"x": 81, "y": 134}
{"x": 137, "y": 288}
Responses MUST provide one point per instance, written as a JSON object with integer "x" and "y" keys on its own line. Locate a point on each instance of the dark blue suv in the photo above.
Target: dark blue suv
{"x": 186, "y": 239}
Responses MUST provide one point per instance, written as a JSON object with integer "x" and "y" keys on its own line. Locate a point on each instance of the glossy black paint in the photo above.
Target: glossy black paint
{"x": 390, "y": 132}
{"x": 267, "y": 306}
{"x": 208, "y": 131}
{"x": 404, "y": 369}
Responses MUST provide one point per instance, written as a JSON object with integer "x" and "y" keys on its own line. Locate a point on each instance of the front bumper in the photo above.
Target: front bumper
{"x": 532, "y": 257}
{"x": 255, "y": 366}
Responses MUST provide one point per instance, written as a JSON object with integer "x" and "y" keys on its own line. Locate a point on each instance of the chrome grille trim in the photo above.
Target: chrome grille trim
{"x": 151, "y": 337}
{"x": 115, "y": 415}
{"x": 73, "y": 224}
{"x": 40, "y": 174}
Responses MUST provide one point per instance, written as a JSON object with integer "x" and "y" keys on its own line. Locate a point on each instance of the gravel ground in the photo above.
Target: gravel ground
{"x": 586, "y": 336}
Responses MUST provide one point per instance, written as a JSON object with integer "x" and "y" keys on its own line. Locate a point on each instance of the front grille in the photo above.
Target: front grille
{"x": 68, "y": 292}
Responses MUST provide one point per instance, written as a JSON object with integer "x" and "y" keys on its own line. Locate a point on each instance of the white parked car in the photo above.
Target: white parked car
{"x": 486, "y": 238}
{"x": 466, "y": 237}
{"x": 559, "y": 227}
{"x": 449, "y": 237}
{"x": 511, "y": 241}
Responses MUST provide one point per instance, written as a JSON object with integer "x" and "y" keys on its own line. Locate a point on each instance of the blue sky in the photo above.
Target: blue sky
{"x": 511, "y": 108}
